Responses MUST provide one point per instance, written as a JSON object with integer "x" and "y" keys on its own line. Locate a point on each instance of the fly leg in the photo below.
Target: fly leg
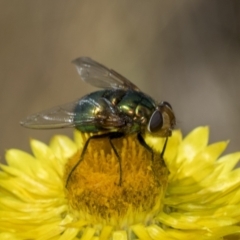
{"x": 162, "y": 163}
{"x": 83, "y": 153}
{"x": 164, "y": 147}
{"x": 110, "y": 137}
{"x": 143, "y": 143}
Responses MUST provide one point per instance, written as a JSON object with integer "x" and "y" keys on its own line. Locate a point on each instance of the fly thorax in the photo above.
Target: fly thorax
{"x": 127, "y": 109}
{"x": 142, "y": 114}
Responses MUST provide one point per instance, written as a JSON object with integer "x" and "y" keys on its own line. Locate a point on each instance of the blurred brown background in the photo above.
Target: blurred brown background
{"x": 185, "y": 52}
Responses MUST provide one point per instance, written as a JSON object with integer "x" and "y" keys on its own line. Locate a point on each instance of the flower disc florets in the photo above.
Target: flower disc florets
{"x": 94, "y": 189}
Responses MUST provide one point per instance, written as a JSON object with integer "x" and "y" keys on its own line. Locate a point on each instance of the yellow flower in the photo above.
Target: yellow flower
{"x": 50, "y": 195}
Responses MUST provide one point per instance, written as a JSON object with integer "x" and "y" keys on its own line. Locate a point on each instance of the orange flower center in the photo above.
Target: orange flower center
{"x": 93, "y": 187}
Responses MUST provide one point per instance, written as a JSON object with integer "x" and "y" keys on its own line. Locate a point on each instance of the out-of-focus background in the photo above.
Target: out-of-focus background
{"x": 185, "y": 52}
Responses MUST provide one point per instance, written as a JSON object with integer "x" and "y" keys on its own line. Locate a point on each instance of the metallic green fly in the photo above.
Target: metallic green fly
{"x": 118, "y": 110}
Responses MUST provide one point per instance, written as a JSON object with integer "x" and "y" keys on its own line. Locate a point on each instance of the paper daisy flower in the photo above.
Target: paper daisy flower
{"x": 193, "y": 194}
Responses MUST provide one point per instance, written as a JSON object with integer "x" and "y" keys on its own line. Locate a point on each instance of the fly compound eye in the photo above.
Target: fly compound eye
{"x": 164, "y": 103}
{"x": 156, "y": 122}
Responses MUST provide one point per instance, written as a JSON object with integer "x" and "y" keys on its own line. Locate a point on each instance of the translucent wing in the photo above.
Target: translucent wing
{"x": 67, "y": 115}
{"x": 57, "y": 117}
{"x": 100, "y": 76}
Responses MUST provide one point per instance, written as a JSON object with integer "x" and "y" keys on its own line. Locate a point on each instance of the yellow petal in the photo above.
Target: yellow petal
{"x": 172, "y": 150}
{"x": 88, "y": 234}
{"x": 120, "y": 235}
{"x": 227, "y": 163}
{"x": 193, "y": 143}
{"x": 63, "y": 147}
{"x": 8, "y": 236}
{"x": 106, "y": 233}
{"x": 22, "y": 161}
{"x": 80, "y": 138}
{"x": 141, "y": 232}
{"x": 48, "y": 159}
{"x": 155, "y": 232}
{"x": 70, "y": 233}
{"x": 202, "y": 164}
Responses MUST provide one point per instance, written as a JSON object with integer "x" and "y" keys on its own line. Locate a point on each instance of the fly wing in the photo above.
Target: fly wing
{"x": 57, "y": 117}
{"x": 66, "y": 115}
{"x": 100, "y": 76}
